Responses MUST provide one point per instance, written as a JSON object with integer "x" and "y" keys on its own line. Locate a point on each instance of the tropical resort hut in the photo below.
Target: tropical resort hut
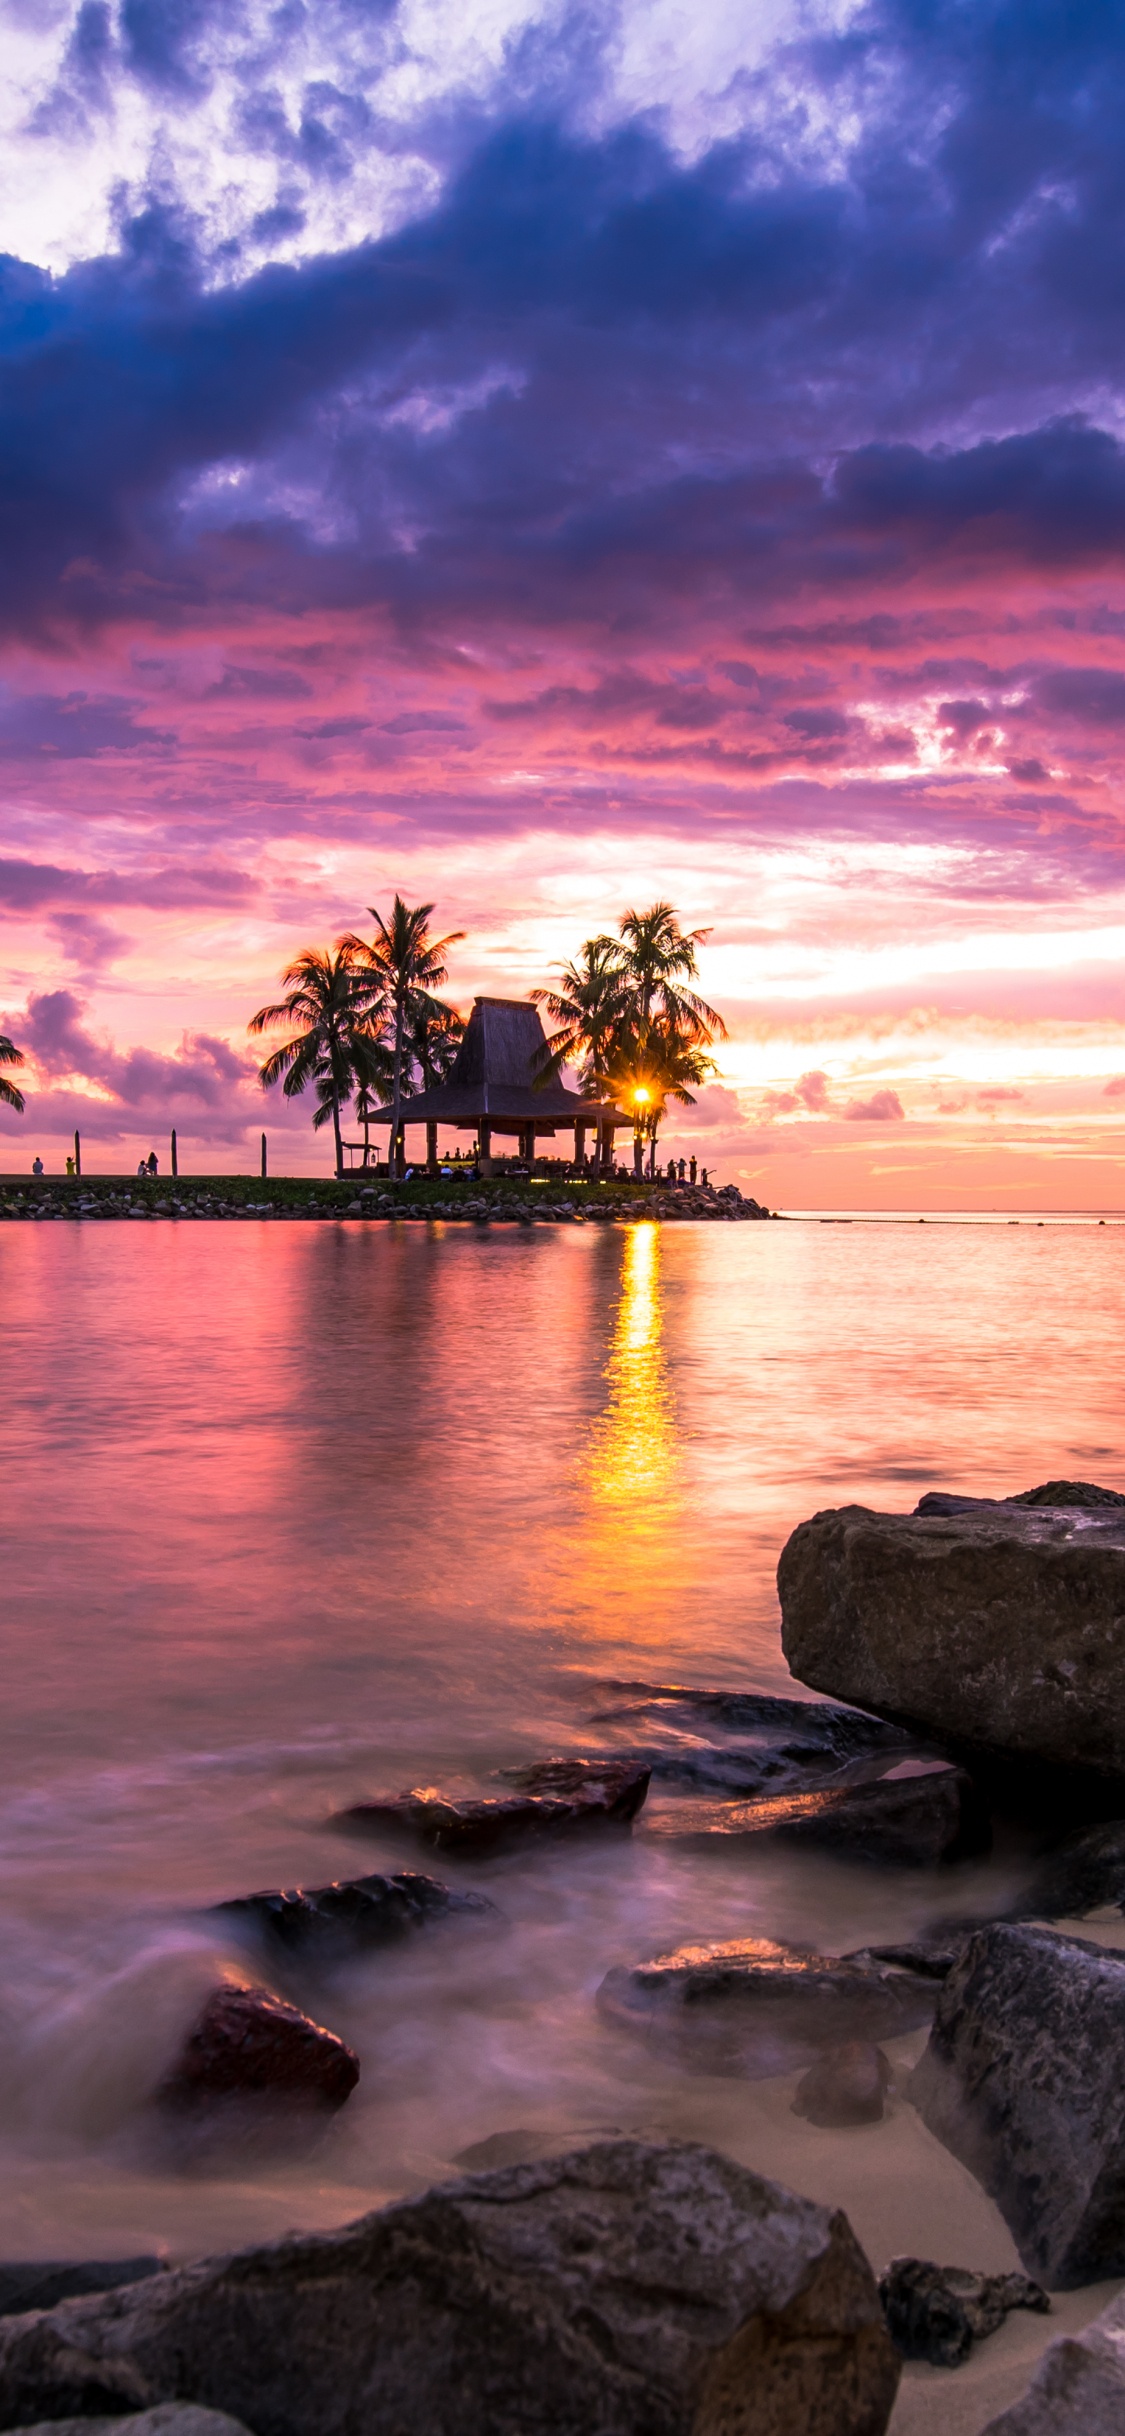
{"x": 492, "y": 1090}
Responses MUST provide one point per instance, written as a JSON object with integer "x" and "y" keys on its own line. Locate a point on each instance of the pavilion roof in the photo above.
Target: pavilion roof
{"x": 493, "y": 1077}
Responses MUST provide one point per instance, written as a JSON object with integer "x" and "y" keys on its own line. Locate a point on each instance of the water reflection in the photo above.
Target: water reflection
{"x": 632, "y": 1459}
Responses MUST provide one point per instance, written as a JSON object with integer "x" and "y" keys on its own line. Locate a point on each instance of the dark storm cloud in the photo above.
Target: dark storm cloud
{"x": 594, "y": 377}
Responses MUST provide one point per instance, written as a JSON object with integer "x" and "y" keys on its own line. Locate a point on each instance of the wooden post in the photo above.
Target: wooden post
{"x": 263, "y": 1154}
{"x": 77, "y": 1152}
{"x": 485, "y": 1135}
{"x": 431, "y": 1150}
{"x": 175, "y": 1154}
{"x": 579, "y": 1144}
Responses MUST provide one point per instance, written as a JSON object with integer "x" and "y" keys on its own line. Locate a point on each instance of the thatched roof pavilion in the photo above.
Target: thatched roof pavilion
{"x": 491, "y": 1089}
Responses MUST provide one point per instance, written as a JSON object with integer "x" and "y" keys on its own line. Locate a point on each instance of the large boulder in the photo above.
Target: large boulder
{"x": 630, "y": 2289}
{"x": 750, "y": 2008}
{"x": 1079, "y": 2386}
{"x": 499, "y": 1822}
{"x": 998, "y": 1629}
{"x": 1022, "y": 2079}
{"x": 166, "y": 2419}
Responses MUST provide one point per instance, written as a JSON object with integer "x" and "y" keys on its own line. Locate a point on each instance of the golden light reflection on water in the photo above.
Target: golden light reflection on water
{"x": 632, "y": 1457}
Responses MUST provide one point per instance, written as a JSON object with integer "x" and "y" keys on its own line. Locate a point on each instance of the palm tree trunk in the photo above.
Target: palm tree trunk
{"x": 336, "y": 1127}
{"x": 397, "y": 1161}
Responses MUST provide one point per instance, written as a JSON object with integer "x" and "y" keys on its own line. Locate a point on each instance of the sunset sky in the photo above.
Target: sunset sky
{"x": 547, "y": 457}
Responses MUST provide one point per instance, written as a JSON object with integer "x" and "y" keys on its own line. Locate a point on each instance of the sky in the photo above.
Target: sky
{"x": 548, "y": 457}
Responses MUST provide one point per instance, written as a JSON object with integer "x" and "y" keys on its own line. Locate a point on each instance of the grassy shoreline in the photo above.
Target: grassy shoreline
{"x": 550, "y": 1200}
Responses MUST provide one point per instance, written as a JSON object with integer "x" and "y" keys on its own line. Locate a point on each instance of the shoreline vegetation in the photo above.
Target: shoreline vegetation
{"x": 516, "y": 1200}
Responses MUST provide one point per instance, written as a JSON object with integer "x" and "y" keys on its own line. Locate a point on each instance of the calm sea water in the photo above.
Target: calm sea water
{"x": 294, "y": 1514}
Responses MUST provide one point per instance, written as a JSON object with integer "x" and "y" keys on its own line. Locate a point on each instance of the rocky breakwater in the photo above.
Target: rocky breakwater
{"x": 998, "y": 1629}
{"x": 627, "y": 2286}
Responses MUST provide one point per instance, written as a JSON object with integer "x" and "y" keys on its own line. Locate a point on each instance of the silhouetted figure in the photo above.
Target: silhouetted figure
{"x": 683, "y": 1169}
{"x": 692, "y": 1171}
{"x": 70, "y": 1167}
{"x": 703, "y": 1176}
{"x": 671, "y": 1171}
{"x": 37, "y": 1167}
{"x": 151, "y": 1164}
{"x": 142, "y": 1167}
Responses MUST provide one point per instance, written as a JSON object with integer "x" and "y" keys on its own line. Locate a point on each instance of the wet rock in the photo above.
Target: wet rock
{"x": 165, "y": 2419}
{"x": 748, "y": 1743}
{"x": 908, "y": 1822}
{"x": 624, "y": 2287}
{"x": 997, "y": 1628}
{"x": 932, "y": 1957}
{"x": 847, "y": 2085}
{"x": 750, "y": 2008}
{"x": 1051, "y": 1493}
{"x": 39, "y": 2283}
{"x": 352, "y": 1916}
{"x": 1079, "y": 2386}
{"x": 1087, "y": 1873}
{"x": 1068, "y": 1493}
{"x": 938, "y": 2313}
{"x": 247, "y": 2044}
{"x": 499, "y": 1822}
{"x": 1022, "y": 2080}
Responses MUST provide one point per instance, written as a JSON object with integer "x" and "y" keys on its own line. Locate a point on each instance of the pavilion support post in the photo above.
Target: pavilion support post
{"x": 579, "y": 1144}
{"x": 485, "y": 1132}
{"x": 431, "y": 1150}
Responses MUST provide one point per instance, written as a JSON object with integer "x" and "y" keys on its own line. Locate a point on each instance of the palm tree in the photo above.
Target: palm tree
{"x": 372, "y": 1067}
{"x": 334, "y": 1009}
{"x": 10, "y": 1097}
{"x": 670, "y": 1065}
{"x": 406, "y": 964}
{"x": 433, "y": 1038}
{"x": 657, "y": 957}
{"x": 588, "y": 1007}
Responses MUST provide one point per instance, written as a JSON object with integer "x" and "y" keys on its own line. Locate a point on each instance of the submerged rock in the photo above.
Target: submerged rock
{"x": 908, "y": 1822}
{"x": 611, "y": 1798}
{"x": 769, "y": 1740}
{"x": 1079, "y": 2386}
{"x": 1022, "y": 2080}
{"x": 624, "y": 2287}
{"x": 352, "y": 1916}
{"x": 39, "y": 2283}
{"x": 247, "y": 2044}
{"x": 996, "y": 1628}
{"x": 938, "y": 2313}
{"x": 847, "y": 2085}
{"x": 750, "y": 2008}
{"x": 1087, "y": 1873}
